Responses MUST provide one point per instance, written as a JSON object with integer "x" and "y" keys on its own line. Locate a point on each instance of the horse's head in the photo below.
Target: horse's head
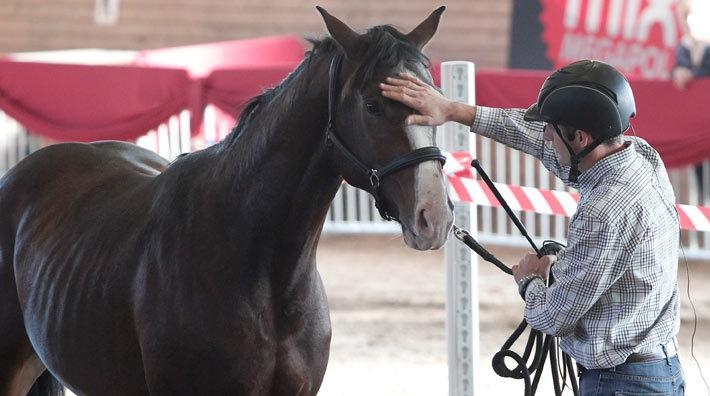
{"x": 372, "y": 147}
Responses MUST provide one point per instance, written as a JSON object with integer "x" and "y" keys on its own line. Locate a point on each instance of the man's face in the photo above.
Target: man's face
{"x": 550, "y": 135}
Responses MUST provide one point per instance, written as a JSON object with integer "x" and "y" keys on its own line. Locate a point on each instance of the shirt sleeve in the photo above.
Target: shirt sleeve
{"x": 588, "y": 268}
{"x": 508, "y": 127}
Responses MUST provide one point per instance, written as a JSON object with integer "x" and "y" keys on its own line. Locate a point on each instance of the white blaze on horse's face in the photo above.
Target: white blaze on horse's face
{"x": 427, "y": 227}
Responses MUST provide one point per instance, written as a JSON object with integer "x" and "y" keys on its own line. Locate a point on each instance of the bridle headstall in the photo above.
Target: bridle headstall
{"x": 375, "y": 175}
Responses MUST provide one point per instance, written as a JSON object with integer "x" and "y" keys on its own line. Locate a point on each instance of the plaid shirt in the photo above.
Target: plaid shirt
{"x": 615, "y": 290}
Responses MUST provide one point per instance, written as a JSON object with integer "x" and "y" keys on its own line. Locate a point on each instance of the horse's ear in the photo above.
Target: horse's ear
{"x": 340, "y": 32}
{"x": 421, "y": 34}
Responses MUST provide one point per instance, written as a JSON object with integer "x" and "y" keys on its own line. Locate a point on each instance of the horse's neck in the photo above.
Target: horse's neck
{"x": 284, "y": 182}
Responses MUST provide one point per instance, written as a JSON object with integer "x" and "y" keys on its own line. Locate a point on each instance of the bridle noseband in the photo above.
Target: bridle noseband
{"x": 375, "y": 175}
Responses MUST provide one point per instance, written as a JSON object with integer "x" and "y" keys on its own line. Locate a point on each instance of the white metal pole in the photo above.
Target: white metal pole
{"x": 462, "y": 327}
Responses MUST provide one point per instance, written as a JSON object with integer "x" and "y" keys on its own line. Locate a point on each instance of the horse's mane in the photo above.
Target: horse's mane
{"x": 255, "y": 104}
{"x": 386, "y": 48}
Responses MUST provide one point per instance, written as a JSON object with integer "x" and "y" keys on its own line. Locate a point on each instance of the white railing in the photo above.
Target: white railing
{"x": 171, "y": 138}
{"x": 16, "y": 143}
{"x": 353, "y": 210}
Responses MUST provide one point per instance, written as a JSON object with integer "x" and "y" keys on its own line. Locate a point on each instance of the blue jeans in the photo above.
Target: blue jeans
{"x": 663, "y": 377}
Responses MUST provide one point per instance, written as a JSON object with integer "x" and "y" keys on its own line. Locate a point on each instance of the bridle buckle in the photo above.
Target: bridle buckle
{"x": 374, "y": 178}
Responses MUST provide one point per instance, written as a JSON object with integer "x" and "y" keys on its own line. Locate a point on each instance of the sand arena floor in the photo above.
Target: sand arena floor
{"x": 388, "y": 314}
{"x": 387, "y": 306}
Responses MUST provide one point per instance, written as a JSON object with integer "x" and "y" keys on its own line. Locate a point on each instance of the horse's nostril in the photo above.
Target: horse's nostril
{"x": 423, "y": 222}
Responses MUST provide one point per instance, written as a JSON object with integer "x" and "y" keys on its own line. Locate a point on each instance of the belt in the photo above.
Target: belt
{"x": 668, "y": 350}
{"x": 660, "y": 352}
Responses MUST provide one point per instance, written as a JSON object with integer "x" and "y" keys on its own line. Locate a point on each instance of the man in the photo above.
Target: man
{"x": 692, "y": 58}
{"x": 614, "y": 301}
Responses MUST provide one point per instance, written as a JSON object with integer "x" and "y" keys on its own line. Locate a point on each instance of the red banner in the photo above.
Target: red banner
{"x": 636, "y": 36}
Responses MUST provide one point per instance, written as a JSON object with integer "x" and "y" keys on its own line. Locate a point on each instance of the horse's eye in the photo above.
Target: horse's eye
{"x": 373, "y": 107}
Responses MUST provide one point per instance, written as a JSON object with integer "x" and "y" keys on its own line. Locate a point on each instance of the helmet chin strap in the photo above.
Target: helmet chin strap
{"x": 576, "y": 157}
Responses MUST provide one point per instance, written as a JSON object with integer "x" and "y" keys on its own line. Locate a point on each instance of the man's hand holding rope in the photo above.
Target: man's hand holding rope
{"x": 530, "y": 267}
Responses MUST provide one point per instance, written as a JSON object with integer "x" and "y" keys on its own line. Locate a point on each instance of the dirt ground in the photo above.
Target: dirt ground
{"x": 388, "y": 314}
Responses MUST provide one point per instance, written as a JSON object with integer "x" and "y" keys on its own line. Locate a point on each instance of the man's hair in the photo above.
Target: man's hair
{"x": 569, "y": 131}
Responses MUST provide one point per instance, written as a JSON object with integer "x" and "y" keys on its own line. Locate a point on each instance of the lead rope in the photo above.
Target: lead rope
{"x": 542, "y": 344}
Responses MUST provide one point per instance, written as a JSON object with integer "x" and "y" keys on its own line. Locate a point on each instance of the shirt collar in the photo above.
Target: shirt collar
{"x": 599, "y": 171}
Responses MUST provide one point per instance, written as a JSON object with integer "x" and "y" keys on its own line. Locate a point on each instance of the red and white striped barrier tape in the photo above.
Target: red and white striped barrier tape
{"x": 465, "y": 188}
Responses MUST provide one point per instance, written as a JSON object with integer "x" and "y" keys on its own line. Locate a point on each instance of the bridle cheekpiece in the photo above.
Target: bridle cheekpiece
{"x": 375, "y": 175}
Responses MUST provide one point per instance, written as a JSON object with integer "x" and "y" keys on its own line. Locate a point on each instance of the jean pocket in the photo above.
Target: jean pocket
{"x": 635, "y": 385}
{"x": 625, "y": 393}
{"x": 643, "y": 377}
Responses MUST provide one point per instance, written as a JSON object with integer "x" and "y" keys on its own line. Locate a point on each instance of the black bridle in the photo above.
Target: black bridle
{"x": 374, "y": 175}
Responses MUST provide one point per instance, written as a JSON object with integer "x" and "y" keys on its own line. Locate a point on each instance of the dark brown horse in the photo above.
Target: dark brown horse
{"x": 121, "y": 274}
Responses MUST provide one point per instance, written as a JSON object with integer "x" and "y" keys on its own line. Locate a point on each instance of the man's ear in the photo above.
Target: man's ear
{"x": 583, "y": 138}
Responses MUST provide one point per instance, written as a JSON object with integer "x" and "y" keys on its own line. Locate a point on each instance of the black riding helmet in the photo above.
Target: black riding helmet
{"x": 588, "y": 95}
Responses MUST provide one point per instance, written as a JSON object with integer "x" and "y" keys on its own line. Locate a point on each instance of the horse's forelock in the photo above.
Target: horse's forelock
{"x": 387, "y": 48}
